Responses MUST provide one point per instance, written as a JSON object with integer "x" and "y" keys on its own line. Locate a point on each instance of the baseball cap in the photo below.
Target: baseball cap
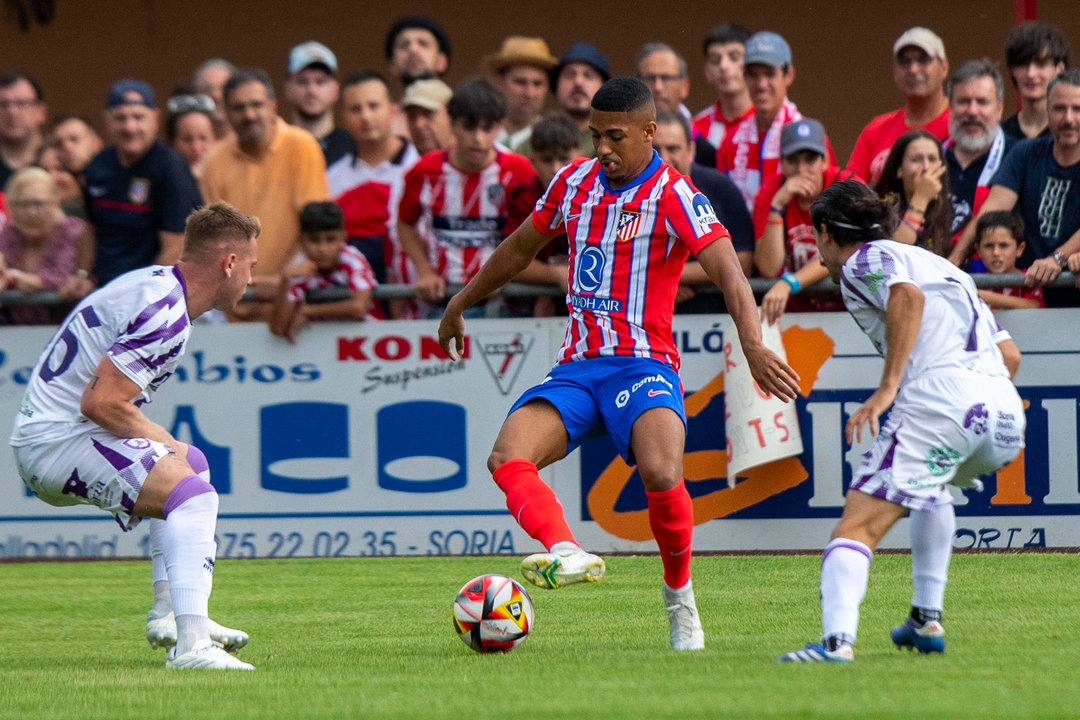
{"x": 583, "y": 52}
{"x": 518, "y": 50}
{"x": 805, "y": 134}
{"x": 767, "y": 48}
{"x": 922, "y": 38}
{"x": 311, "y": 53}
{"x": 129, "y": 92}
{"x": 429, "y": 94}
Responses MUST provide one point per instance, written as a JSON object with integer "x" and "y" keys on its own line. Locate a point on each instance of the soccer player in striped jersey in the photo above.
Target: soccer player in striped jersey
{"x": 956, "y": 413}
{"x": 631, "y": 222}
{"x": 81, "y": 438}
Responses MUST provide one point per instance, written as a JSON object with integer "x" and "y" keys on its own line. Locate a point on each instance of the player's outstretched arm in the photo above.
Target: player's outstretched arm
{"x": 772, "y": 374}
{"x": 903, "y": 319}
{"x": 511, "y": 257}
{"x": 106, "y": 402}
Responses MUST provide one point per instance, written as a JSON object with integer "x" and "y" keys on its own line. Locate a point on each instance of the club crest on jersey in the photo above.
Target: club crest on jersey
{"x": 496, "y": 194}
{"x": 703, "y": 209}
{"x": 629, "y": 221}
{"x": 139, "y": 190}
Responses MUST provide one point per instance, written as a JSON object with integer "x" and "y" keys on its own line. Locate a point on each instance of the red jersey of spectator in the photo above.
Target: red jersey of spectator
{"x": 800, "y": 243}
{"x": 352, "y": 271}
{"x": 748, "y": 159}
{"x": 711, "y": 124}
{"x": 466, "y": 215}
{"x": 628, "y": 247}
{"x": 877, "y": 138}
{"x": 369, "y": 197}
{"x": 1027, "y": 293}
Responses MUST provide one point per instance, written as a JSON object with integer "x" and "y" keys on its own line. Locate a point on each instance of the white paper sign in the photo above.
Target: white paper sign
{"x": 760, "y": 428}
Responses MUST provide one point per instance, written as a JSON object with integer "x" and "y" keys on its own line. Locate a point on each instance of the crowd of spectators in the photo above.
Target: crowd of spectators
{"x": 373, "y": 177}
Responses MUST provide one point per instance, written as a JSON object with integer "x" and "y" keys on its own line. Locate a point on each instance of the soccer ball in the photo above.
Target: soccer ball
{"x": 492, "y": 613}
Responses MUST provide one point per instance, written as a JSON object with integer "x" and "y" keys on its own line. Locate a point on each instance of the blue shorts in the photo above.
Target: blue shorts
{"x": 607, "y": 394}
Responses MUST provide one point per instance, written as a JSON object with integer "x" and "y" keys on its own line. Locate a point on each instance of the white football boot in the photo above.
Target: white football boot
{"x": 205, "y": 655}
{"x": 161, "y": 632}
{"x": 686, "y": 630}
{"x": 554, "y": 570}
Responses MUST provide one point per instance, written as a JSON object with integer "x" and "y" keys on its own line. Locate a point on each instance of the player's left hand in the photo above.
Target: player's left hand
{"x": 869, "y": 413}
{"x": 772, "y": 374}
{"x": 452, "y": 332}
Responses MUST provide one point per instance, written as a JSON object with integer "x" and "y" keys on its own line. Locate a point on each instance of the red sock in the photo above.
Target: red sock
{"x": 671, "y": 516}
{"x": 532, "y": 503}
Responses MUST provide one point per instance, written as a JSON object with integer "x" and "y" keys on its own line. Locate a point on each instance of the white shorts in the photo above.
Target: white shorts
{"x": 90, "y": 467}
{"x": 943, "y": 429}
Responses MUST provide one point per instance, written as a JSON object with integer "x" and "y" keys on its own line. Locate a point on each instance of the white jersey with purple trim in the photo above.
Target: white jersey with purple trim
{"x": 958, "y": 332}
{"x": 139, "y": 320}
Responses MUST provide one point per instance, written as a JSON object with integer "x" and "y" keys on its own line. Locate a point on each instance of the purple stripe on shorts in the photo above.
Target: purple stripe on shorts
{"x": 887, "y": 460}
{"x": 186, "y": 489}
{"x": 850, "y": 545}
{"x": 197, "y": 460}
{"x": 118, "y": 461}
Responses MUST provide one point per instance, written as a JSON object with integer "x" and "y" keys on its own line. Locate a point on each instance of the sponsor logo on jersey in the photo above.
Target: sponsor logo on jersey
{"x": 590, "y": 269}
{"x": 629, "y": 222}
{"x": 873, "y": 279}
{"x": 654, "y": 393}
{"x": 139, "y": 190}
{"x": 706, "y": 216}
{"x": 504, "y": 355}
{"x": 596, "y": 304}
{"x": 976, "y": 418}
{"x": 622, "y": 398}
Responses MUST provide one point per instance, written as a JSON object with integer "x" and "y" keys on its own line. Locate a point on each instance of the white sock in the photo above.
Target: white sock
{"x": 931, "y": 548}
{"x": 189, "y": 549}
{"x": 564, "y": 548}
{"x": 845, "y": 567}
{"x": 162, "y": 600}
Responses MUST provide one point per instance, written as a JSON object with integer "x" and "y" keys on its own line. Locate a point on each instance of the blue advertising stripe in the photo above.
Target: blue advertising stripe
{"x": 265, "y": 516}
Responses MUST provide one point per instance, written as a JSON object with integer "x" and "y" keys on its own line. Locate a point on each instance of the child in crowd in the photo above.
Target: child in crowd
{"x": 324, "y": 261}
{"x": 999, "y": 240}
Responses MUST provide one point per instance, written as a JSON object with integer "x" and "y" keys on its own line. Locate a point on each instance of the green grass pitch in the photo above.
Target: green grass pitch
{"x": 372, "y": 638}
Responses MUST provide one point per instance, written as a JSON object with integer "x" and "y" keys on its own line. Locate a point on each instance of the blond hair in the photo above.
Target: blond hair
{"x": 211, "y": 230}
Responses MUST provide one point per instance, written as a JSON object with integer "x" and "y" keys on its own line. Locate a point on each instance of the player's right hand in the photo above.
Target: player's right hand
{"x": 431, "y": 287}
{"x": 452, "y": 333}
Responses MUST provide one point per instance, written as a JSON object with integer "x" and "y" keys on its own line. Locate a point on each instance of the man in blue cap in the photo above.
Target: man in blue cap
{"x": 577, "y": 77}
{"x": 138, "y": 190}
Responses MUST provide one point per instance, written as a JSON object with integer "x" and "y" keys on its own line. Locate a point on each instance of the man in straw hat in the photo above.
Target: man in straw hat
{"x": 520, "y": 71}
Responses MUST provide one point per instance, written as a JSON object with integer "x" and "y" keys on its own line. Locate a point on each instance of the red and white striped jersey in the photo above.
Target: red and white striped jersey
{"x": 712, "y": 125}
{"x": 628, "y": 247}
{"x": 466, "y": 215}
{"x": 352, "y": 271}
{"x": 369, "y": 197}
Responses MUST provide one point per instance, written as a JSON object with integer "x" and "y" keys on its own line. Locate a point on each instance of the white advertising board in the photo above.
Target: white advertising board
{"x": 363, "y": 440}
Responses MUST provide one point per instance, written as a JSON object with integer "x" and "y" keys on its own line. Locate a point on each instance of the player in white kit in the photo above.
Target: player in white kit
{"x": 80, "y": 437}
{"x": 955, "y": 413}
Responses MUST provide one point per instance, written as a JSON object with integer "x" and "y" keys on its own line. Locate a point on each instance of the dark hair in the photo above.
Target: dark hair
{"x": 973, "y": 69}
{"x": 622, "y": 94}
{"x": 67, "y": 117}
{"x": 1070, "y": 76}
{"x": 418, "y": 22}
{"x": 652, "y": 48}
{"x": 243, "y": 76}
{"x": 937, "y": 220}
{"x": 476, "y": 102}
{"x": 724, "y": 34}
{"x": 1007, "y": 219}
{"x": 363, "y": 76}
{"x": 554, "y": 133}
{"x": 852, "y": 213}
{"x": 10, "y": 77}
{"x": 1033, "y": 40}
{"x": 321, "y": 216}
{"x": 210, "y": 230}
{"x": 669, "y": 117}
{"x": 172, "y": 121}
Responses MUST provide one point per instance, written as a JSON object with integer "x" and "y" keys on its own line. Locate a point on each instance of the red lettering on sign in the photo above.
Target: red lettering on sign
{"x": 351, "y": 348}
{"x": 756, "y": 424}
{"x": 778, "y": 421}
{"x": 727, "y": 357}
{"x": 392, "y": 347}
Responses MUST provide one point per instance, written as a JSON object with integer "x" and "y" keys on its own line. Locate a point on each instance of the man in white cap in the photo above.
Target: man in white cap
{"x": 424, "y": 104}
{"x": 313, "y": 90}
{"x": 919, "y": 71}
{"x": 520, "y": 71}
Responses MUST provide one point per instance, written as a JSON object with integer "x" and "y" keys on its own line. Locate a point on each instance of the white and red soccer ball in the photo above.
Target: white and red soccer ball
{"x": 492, "y": 614}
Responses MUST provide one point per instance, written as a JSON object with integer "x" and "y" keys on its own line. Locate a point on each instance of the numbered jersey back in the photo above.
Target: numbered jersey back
{"x": 139, "y": 320}
{"x": 958, "y": 330}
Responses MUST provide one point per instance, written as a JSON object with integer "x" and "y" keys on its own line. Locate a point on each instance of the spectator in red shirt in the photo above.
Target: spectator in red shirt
{"x": 916, "y": 178}
{"x": 725, "y": 46}
{"x": 465, "y": 200}
{"x": 999, "y": 239}
{"x": 919, "y": 71}
{"x": 324, "y": 261}
{"x": 786, "y": 246}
